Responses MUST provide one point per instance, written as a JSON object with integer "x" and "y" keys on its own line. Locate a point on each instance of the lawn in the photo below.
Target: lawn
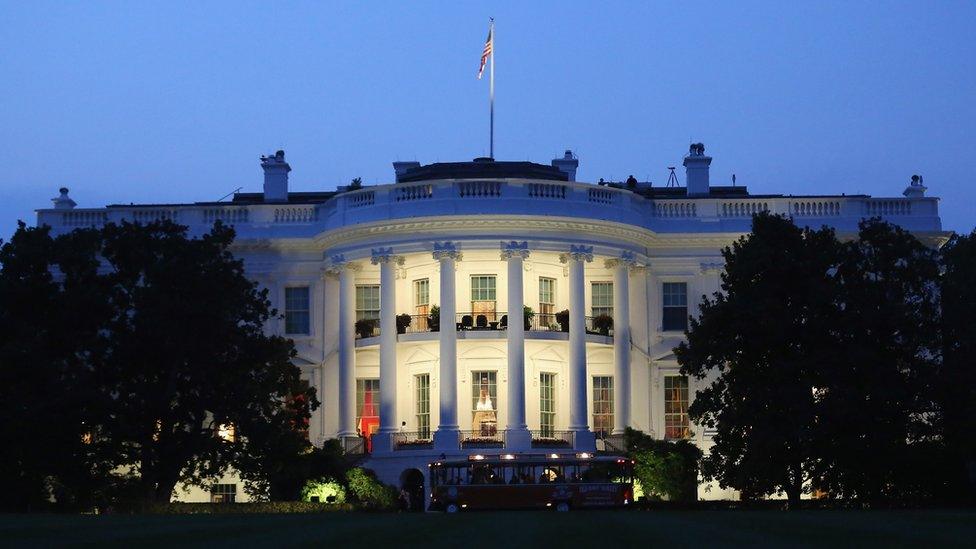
{"x": 503, "y": 530}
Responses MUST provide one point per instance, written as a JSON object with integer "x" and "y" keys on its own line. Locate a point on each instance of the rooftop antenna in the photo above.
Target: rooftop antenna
{"x": 221, "y": 199}
{"x": 672, "y": 179}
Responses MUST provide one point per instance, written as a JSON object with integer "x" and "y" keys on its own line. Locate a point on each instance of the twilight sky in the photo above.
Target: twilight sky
{"x": 175, "y": 101}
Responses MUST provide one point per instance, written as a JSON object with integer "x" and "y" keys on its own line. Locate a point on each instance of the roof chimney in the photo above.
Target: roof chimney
{"x": 696, "y": 170}
{"x": 915, "y": 189}
{"x": 403, "y": 167}
{"x": 567, "y": 164}
{"x": 63, "y": 202}
{"x": 275, "y": 177}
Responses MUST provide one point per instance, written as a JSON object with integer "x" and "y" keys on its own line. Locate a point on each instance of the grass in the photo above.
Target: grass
{"x": 598, "y": 529}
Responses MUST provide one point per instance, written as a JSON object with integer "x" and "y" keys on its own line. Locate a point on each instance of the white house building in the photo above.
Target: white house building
{"x": 610, "y": 274}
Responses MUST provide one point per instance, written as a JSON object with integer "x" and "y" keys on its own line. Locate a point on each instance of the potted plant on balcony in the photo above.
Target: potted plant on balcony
{"x": 434, "y": 318}
{"x": 603, "y": 324}
{"x": 528, "y": 314}
{"x": 402, "y": 321}
{"x": 562, "y": 318}
{"x": 365, "y": 327}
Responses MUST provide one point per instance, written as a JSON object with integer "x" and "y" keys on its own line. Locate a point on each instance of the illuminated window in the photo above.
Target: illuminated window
{"x": 421, "y": 303}
{"x": 227, "y": 432}
{"x": 367, "y": 302}
{"x": 676, "y": 408}
{"x": 367, "y": 406}
{"x": 602, "y": 405}
{"x": 674, "y": 296}
{"x": 601, "y": 298}
{"x": 223, "y": 493}
{"x": 422, "y": 384}
{"x": 547, "y": 301}
{"x": 547, "y": 404}
{"x": 484, "y": 403}
{"x": 483, "y": 296}
{"x": 297, "y": 310}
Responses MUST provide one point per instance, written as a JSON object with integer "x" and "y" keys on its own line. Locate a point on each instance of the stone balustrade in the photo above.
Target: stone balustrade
{"x": 516, "y": 197}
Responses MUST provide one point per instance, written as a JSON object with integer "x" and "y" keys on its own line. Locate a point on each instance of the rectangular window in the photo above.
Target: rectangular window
{"x": 676, "y": 408}
{"x": 297, "y": 311}
{"x": 547, "y": 301}
{"x": 674, "y": 296}
{"x": 601, "y": 298}
{"x": 547, "y": 404}
{"x": 223, "y": 493}
{"x": 602, "y": 405}
{"x": 421, "y": 304}
{"x": 367, "y": 406}
{"x": 367, "y": 302}
{"x": 422, "y": 384}
{"x": 484, "y": 403}
{"x": 483, "y": 296}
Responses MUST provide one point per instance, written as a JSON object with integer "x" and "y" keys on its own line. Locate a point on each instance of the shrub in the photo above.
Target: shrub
{"x": 368, "y": 492}
{"x": 267, "y": 507}
{"x": 528, "y": 314}
{"x": 402, "y": 322}
{"x": 603, "y": 324}
{"x": 665, "y": 468}
{"x": 365, "y": 327}
{"x": 434, "y": 318}
{"x": 324, "y": 490}
{"x": 562, "y": 317}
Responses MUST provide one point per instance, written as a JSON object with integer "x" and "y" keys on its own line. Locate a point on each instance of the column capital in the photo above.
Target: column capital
{"x": 513, "y": 249}
{"x": 626, "y": 260}
{"x": 337, "y": 263}
{"x": 577, "y": 253}
{"x": 713, "y": 267}
{"x": 447, "y": 250}
{"x": 385, "y": 255}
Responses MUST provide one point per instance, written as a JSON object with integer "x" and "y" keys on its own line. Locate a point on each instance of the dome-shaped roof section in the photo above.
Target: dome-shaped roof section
{"x": 482, "y": 168}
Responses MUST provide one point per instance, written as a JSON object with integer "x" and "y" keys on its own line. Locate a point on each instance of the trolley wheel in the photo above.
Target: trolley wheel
{"x": 451, "y": 508}
{"x": 562, "y": 507}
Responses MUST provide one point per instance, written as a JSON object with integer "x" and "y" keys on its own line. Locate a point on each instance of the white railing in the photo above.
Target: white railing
{"x": 295, "y": 214}
{"x": 815, "y": 208}
{"x": 675, "y": 208}
{"x": 511, "y": 197}
{"x": 413, "y": 192}
{"x": 885, "y": 206}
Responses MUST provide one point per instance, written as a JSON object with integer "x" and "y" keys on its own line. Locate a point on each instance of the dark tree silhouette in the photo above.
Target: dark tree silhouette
{"x": 759, "y": 347}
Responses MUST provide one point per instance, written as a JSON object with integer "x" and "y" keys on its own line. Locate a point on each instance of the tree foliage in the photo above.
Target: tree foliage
{"x": 131, "y": 345}
{"x": 759, "y": 345}
{"x": 665, "y": 468}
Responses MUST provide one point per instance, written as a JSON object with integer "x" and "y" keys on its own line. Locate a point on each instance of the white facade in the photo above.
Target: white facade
{"x": 483, "y": 239}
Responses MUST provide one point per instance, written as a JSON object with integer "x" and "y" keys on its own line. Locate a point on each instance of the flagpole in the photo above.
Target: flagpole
{"x": 491, "y": 94}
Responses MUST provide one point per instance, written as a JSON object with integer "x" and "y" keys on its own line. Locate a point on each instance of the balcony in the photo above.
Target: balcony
{"x": 486, "y": 325}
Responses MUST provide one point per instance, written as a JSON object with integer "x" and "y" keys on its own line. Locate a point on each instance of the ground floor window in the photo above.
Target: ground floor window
{"x": 223, "y": 493}
{"x": 602, "y": 405}
{"x": 484, "y": 403}
{"x": 676, "y": 408}
{"x": 422, "y": 385}
{"x": 547, "y": 404}
{"x": 367, "y": 406}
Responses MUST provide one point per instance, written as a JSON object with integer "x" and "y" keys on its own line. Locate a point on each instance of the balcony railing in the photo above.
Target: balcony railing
{"x": 353, "y": 445}
{"x": 482, "y": 439}
{"x": 497, "y": 321}
{"x": 412, "y": 440}
{"x": 551, "y": 438}
{"x": 511, "y": 197}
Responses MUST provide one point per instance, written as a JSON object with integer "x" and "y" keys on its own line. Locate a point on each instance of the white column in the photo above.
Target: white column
{"x": 621, "y": 341}
{"x": 576, "y": 261}
{"x": 388, "y": 340}
{"x": 517, "y": 436}
{"x": 347, "y": 344}
{"x": 446, "y": 436}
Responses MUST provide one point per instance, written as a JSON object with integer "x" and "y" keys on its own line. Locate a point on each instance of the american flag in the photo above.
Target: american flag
{"x": 486, "y": 53}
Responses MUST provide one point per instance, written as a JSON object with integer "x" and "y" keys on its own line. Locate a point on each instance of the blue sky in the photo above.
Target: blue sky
{"x": 175, "y": 101}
